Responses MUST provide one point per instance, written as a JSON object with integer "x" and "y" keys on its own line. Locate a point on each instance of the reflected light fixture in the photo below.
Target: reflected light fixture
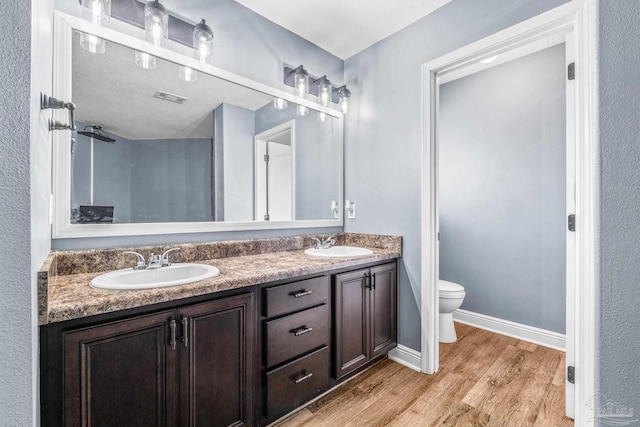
{"x": 280, "y": 104}
{"x": 202, "y": 42}
{"x": 343, "y": 99}
{"x": 144, "y": 60}
{"x": 324, "y": 91}
{"x": 98, "y": 13}
{"x": 322, "y": 117}
{"x": 188, "y": 74}
{"x": 156, "y": 23}
{"x": 301, "y": 110}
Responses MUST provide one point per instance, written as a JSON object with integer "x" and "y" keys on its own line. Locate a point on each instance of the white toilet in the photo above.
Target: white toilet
{"x": 451, "y": 296}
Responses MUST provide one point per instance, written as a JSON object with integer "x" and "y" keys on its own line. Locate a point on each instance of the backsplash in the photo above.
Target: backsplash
{"x": 98, "y": 260}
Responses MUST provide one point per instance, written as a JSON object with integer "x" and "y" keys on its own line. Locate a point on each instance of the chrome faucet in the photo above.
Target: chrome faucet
{"x": 326, "y": 243}
{"x": 155, "y": 261}
{"x": 140, "y": 265}
{"x": 165, "y": 257}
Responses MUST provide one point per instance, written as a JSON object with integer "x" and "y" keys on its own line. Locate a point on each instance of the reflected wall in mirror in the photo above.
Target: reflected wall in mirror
{"x": 154, "y": 148}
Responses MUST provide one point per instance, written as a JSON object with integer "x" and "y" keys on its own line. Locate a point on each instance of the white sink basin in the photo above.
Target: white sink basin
{"x": 338, "y": 252}
{"x": 175, "y": 274}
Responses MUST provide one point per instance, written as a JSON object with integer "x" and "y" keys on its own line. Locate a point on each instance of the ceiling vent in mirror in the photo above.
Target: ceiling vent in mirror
{"x": 166, "y": 96}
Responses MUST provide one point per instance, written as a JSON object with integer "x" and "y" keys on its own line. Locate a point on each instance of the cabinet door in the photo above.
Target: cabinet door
{"x": 121, "y": 374}
{"x": 383, "y": 309}
{"x": 216, "y": 363}
{"x": 352, "y": 333}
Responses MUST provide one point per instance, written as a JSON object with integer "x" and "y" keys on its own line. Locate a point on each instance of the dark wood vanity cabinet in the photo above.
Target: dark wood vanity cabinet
{"x": 365, "y": 316}
{"x": 295, "y": 327}
{"x": 191, "y": 366}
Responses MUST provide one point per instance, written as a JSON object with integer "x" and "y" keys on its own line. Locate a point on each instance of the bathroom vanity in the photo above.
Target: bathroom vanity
{"x": 236, "y": 349}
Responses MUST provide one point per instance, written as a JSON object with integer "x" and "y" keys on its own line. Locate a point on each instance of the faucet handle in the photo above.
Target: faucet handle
{"x": 318, "y": 243}
{"x": 141, "y": 264}
{"x": 165, "y": 257}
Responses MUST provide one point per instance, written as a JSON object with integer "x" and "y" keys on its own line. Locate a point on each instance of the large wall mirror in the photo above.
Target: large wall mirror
{"x": 156, "y": 153}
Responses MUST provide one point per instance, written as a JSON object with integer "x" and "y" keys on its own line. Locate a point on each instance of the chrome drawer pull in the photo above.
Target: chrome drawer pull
{"x": 301, "y": 330}
{"x": 172, "y": 341}
{"x": 302, "y": 294}
{"x": 303, "y": 377}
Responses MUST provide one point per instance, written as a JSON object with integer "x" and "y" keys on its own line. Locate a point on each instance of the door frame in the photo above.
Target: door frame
{"x": 579, "y": 18}
{"x": 260, "y": 141}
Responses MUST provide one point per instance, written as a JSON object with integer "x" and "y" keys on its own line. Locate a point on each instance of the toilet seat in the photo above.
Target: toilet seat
{"x": 448, "y": 289}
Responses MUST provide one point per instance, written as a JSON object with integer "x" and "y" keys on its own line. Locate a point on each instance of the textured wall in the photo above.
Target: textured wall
{"x": 17, "y": 368}
{"x": 619, "y": 333}
{"x": 502, "y": 189}
{"x": 383, "y": 127}
{"x": 249, "y": 45}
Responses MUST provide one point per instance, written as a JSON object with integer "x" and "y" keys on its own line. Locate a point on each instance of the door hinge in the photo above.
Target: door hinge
{"x": 571, "y": 71}
{"x": 571, "y": 374}
{"x": 266, "y": 158}
{"x": 571, "y": 222}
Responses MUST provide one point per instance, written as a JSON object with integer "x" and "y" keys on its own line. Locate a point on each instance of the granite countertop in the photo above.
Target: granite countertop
{"x": 71, "y": 297}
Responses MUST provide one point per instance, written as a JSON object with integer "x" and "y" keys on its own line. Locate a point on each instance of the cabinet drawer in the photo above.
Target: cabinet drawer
{"x": 295, "y": 334}
{"x": 294, "y": 383}
{"x": 295, "y": 296}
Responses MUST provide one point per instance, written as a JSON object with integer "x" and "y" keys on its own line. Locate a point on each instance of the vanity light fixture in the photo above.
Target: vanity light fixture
{"x": 322, "y": 117}
{"x": 324, "y": 90}
{"x": 97, "y": 12}
{"x": 202, "y": 42}
{"x": 343, "y": 98}
{"x": 188, "y": 74}
{"x": 280, "y": 104}
{"x": 144, "y": 60}
{"x": 301, "y": 110}
{"x": 299, "y": 79}
{"x": 156, "y": 23}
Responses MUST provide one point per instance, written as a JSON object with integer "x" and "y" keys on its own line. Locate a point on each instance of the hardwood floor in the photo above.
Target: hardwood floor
{"x": 485, "y": 379}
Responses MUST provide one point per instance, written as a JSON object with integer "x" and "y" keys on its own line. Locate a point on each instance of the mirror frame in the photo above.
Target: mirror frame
{"x": 64, "y": 25}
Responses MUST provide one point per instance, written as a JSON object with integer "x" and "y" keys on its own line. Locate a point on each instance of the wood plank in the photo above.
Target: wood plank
{"x": 485, "y": 379}
{"x": 552, "y": 410}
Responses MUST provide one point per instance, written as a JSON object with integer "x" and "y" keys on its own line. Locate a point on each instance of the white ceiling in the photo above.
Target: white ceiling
{"x": 343, "y": 27}
{"x": 113, "y": 92}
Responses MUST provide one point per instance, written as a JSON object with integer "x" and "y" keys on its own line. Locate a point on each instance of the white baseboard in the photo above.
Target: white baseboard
{"x": 511, "y": 329}
{"x": 406, "y": 356}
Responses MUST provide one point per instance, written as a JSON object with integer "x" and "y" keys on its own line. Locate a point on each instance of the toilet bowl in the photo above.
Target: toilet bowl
{"x": 451, "y": 296}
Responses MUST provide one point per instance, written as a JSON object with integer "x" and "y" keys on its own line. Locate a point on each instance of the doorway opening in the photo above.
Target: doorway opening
{"x": 567, "y": 28}
{"x": 275, "y": 186}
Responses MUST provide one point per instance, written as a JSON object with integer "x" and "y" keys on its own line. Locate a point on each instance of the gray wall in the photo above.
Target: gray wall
{"x": 383, "y": 127}
{"x": 145, "y": 180}
{"x": 111, "y": 176}
{"x": 251, "y": 46}
{"x": 619, "y": 294}
{"x": 24, "y": 199}
{"x": 171, "y": 180}
{"x": 237, "y": 129}
{"x": 502, "y": 189}
{"x": 316, "y": 147}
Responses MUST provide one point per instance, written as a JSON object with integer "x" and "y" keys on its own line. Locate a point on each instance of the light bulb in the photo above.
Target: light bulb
{"x": 280, "y": 104}
{"x": 301, "y": 82}
{"x": 202, "y": 42}
{"x": 301, "y": 110}
{"x": 156, "y": 23}
{"x": 188, "y": 74}
{"x": 343, "y": 96}
{"x": 324, "y": 92}
{"x": 96, "y": 11}
{"x": 144, "y": 60}
{"x": 91, "y": 43}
